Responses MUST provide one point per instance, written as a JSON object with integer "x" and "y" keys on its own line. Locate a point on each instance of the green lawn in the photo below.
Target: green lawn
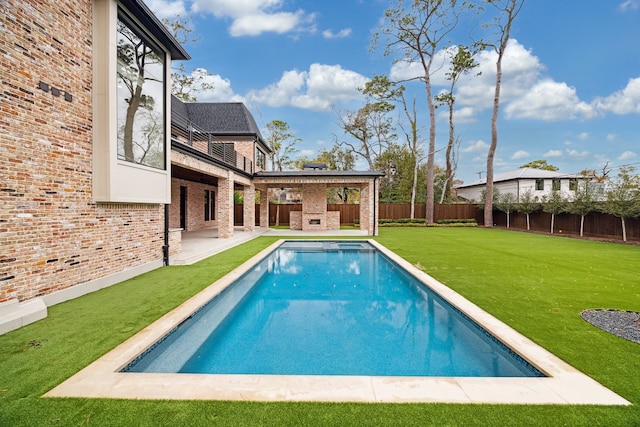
{"x": 537, "y": 284}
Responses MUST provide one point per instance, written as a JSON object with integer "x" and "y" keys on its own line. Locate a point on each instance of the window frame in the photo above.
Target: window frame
{"x": 115, "y": 180}
{"x": 148, "y": 41}
{"x": 209, "y": 205}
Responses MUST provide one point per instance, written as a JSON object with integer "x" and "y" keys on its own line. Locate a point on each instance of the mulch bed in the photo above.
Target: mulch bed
{"x": 624, "y": 324}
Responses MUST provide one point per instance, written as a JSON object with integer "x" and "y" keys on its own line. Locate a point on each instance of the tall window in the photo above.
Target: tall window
{"x": 540, "y": 184}
{"x": 555, "y": 184}
{"x": 141, "y": 97}
{"x": 209, "y": 205}
{"x": 260, "y": 159}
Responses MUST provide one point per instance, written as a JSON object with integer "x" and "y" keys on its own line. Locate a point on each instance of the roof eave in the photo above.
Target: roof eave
{"x": 157, "y": 29}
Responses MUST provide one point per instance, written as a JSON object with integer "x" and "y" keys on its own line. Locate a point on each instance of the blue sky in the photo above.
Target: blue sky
{"x": 571, "y": 87}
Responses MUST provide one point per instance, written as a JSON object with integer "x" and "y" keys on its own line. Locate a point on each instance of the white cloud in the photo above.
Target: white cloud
{"x": 611, "y": 137}
{"x": 624, "y": 101}
{"x": 167, "y": 8}
{"x": 221, "y": 92}
{"x": 317, "y": 89}
{"x": 630, "y": 5}
{"x": 553, "y": 153}
{"x": 519, "y": 155}
{"x": 627, "y": 155}
{"x": 521, "y": 70}
{"x": 575, "y": 154}
{"x": 475, "y": 146}
{"x": 306, "y": 154}
{"x": 583, "y": 136}
{"x": 524, "y": 92}
{"x": 329, "y": 34}
{"x": 254, "y": 17}
{"x": 549, "y": 101}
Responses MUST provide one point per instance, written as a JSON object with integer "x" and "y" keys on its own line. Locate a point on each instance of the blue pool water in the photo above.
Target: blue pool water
{"x": 330, "y": 308}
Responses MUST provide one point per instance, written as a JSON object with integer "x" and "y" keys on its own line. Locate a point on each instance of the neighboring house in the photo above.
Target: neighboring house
{"x": 101, "y": 170}
{"x": 539, "y": 182}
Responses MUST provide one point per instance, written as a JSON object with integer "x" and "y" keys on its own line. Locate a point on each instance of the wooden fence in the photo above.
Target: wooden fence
{"x": 596, "y": 224}
{"x": 349, "y": 214}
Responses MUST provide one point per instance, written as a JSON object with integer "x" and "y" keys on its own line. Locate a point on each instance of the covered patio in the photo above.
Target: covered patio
{"x": 313, "y": 185}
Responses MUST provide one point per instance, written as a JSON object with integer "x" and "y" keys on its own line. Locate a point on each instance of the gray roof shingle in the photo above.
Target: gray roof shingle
{"x": 219, "y": 118}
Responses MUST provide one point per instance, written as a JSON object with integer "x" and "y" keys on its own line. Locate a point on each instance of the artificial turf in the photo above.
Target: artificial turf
{"x": 537, "y": 284}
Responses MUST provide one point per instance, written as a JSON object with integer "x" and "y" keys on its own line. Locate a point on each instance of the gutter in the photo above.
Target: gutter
{"x": 375, "y": 203}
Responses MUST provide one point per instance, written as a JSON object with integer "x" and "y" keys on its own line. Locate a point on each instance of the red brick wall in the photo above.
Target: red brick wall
{"x": 52, "y": 236}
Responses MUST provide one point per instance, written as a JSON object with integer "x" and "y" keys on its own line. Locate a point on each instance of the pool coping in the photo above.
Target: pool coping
{"x": 563, "y": 384}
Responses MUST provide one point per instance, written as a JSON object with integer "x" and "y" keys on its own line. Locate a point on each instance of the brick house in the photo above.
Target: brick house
{"x": 83, "y": 159}
{"x": 101, "y": 169}
{"x": 216, "y": 149}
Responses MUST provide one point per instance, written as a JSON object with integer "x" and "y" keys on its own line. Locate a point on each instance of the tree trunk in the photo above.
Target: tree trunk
{"x": 446, "y": 191}
{"x": 414, "y": 187}
{"x": 624, "y": 230}
{"x": 488, "y": 201}
{"x": 581, "y": 225}
{"x": 528, "y": 223}
{"x": 430, "y": 203}
{"x": 134, "y": 104}
{"x": 507, "y": 218}
{"x": 553, "y": 216}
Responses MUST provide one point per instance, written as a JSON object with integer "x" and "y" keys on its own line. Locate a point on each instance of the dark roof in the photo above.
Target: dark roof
{"x": 227, "y": 118}
{"x": 219, "y": 118}
{"x": 157, "y": 29}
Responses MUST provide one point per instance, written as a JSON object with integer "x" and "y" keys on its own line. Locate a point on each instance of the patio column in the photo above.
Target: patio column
{"x": 225, "y": 206}
{"x": 368, "y": 208}
{"x": 264, "y": 207}
{"x": 364, "y": 207}
{"x": 249, "y": 207}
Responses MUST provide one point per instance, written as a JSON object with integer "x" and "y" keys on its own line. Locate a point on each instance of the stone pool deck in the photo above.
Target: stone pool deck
{"x": 563, "y": 384}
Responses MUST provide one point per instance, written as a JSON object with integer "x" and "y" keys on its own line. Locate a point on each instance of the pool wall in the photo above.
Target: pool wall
{"x": 563, "y": 384}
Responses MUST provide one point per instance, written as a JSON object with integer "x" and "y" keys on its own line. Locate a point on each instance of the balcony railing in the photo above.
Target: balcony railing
{"x": 183, "y": 131}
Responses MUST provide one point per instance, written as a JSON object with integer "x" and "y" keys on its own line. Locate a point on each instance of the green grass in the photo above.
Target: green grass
{"x": 537, "y": 284}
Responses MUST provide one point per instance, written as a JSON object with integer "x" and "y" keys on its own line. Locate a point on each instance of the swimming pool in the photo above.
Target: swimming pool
{"x": 330, "y": 308}
{"x": 562, "y": 384}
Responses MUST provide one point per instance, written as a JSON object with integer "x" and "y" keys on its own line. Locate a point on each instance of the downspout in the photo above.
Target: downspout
{"x": 375, "y": 203}
{"x": 165, "y": 247}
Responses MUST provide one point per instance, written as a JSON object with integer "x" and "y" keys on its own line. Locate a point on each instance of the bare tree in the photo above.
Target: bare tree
{"x": 371, "y": 128}
{"x": 382, "y": 88}
{"x": 462, "y": 62}
{"x": 507, "y": 10}
{"x": 417, "y": 32}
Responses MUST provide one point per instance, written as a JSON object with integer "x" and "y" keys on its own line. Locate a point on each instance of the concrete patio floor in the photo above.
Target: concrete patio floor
{"x": 201, "y": 244}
